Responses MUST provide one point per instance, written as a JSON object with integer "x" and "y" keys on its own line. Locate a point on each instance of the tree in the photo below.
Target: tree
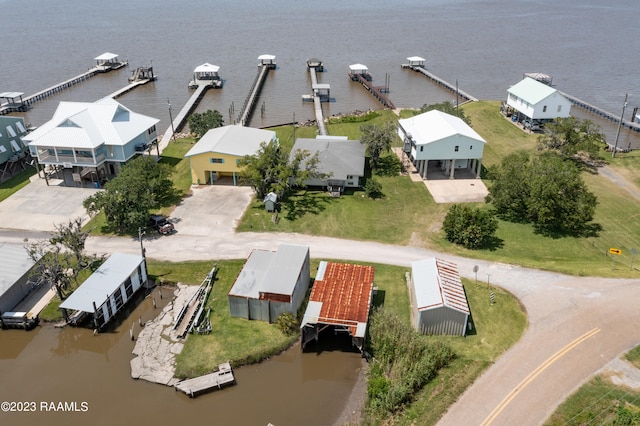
{"x": 449, "y": 108}
{"x": 200, "y": 123}
{"x": 72, "y": 238}
{"x": 378, "y": 140}
{"x": 510, "y": 191}
{"x": 373, "y": 188}
{"x": 142, "y": 185}
{"x": 469, "y": 227}
{"x": 572, "y": 138}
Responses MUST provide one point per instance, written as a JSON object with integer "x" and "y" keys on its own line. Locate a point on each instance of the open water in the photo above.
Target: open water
{"x": 590, "y": 47}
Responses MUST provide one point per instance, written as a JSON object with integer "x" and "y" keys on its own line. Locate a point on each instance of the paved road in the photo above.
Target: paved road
{"x": 576, "y": 325}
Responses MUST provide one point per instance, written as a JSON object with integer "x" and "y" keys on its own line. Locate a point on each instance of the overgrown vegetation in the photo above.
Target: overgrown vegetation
{"x": 378, "y": 139}
{"x": 470, "y": 227}
{"x": 448, "y": 108}
{"x": 201, "y": 123}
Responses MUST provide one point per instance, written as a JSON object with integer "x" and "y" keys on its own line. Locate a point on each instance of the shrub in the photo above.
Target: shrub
{"x": 287, "y": 323}
{"x": 469, "y": 227}
{"x": 373, "y": 189}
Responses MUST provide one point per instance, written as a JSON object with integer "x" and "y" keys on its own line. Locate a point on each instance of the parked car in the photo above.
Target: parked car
{"x": 161, "y": 224}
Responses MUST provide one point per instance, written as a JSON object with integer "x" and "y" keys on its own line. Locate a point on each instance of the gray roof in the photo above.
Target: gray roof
{"x": 15, "y": 263}
{"x": 270, "y": 272}
{"x": 103, "y": 282}
{"x": 340, "y": 158}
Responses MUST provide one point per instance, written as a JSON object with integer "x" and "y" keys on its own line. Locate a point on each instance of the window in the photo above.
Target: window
{"x": 216, "y": 160}
{"x": 422, "y": 148}
{"x": 456, "y": 148}
{"x": 20, "y": 127}
{"x": 544, "y": 108}
{"x": 2, "y": 149}
{"x": 11, "y": 132}
{"x": 117, "y": 296}
{"x": 128, "y": 288}
{"x": 151, "y": 130}
{"x": 14, "y": 146}
{"x": 470, "y": 146}
{"x": 559, "y": 108}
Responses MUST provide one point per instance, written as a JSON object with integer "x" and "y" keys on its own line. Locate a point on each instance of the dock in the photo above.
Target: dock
{"x": 129, "y": 87}
{"x": 601, "y": 112}
{"x": 190, "y": 317}
{"x": 321, "y": 92}
{"x": 416, "y": 64}
{"x": 360, "y": 73}
{"x": 266, "y": 63}
{"x": 180, "y": 120}
{"x": 198, "y": 385}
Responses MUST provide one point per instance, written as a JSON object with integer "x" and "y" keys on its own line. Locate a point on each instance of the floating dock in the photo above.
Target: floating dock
{"x": 266, "y": 63}
{"x": 417, "y": 64}
{"x": 198, "y": 385}
{"x": 321, "y": 92}
{"x": 360, "y": 73}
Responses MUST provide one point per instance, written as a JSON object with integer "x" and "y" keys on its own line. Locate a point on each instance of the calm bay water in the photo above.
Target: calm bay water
{"x": 589, "y": 47}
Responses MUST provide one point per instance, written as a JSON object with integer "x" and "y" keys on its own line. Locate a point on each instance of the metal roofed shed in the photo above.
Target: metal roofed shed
{"x": 340, "y": 299}
{"x": 107, "y": 290}
{"x": 438, "y": 300}
{"x": 271, "y": 283}
{"x": 14, "y": 276}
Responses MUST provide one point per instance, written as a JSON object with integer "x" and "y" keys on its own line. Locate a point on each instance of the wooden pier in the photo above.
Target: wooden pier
{"x": 128, "y": 88}
{"x": 601, "y": 112}
{"x": 198, "y": 385}
{"x": 417, "y": 64}
{"x": 181, "y": 118}
{"x": 378, "y": 92}
{"x": 320, "y": 93}
{"x": 266, "y": 63}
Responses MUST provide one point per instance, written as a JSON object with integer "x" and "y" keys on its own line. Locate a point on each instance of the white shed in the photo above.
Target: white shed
{"x": 443, "y": 138}
{"x": 271, "y": 283}
{"x": 438, "y": 301}
{"x": 537, "y": 101}
{"x": 14, "y": 275}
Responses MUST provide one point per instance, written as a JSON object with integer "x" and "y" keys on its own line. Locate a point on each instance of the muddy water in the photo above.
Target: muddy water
{"x": 49, "y": 365}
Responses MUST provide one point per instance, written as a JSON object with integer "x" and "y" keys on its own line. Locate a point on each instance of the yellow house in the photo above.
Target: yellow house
{"x": 217, "y": 153}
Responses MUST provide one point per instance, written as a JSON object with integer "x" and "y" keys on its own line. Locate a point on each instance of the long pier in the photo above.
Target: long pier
{"x": 376, "y": 91}
{"x": 440, "y": 82}
{"x": 128, "y": 88}
{"x": 317, "y": 102}
{"x": 601, "y": 112}
{"x": 198, "y": 385}
{"x": 249, "y": 103}
{"x": 181, "y": 118}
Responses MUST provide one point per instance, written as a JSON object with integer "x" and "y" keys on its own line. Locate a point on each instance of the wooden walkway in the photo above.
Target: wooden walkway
{"x": 249, "y": 103}
{"x": 317, "y": 104}
{"x": 601, "y": 112}
{"x": 191, "y": 314}
{"x": 376, "y": 91}
{"x": 198, "y": 385}
{"x": 128, "y": 87}
{"x": 441, "y": 82}
{"x": 181, "y": 118}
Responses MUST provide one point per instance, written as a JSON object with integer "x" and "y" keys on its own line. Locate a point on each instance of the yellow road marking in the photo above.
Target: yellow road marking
{"x": 535, "y": 373}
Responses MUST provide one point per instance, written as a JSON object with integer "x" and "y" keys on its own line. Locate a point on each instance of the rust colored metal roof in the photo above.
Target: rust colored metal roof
{"x": 344, "y": 290}
{"x": 437, "y": 283}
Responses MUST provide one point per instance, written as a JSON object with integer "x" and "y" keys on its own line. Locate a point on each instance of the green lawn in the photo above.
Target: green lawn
{"x": 15, "y": 183}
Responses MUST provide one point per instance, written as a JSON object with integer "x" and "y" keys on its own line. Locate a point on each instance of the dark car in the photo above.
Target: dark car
{"x": 161, "y": 224}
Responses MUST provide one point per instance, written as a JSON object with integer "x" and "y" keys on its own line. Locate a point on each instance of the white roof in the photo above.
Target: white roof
{"x": 107, "y": 56}
{"x": 11, "y": 94}
{"x": 15, "y": 263}
{"x": 437, "y": 284}
{"x": 103, "y": 282}
{"x": 434, "y": 125}
{"x": 207, "y": 67}
{"x": 266, "y": 57}
{"x": 358, "y": 67}
{"x": 270, "y": 272}
{"x": 531, "y": 91}
{"x": 416, "y": 59}
{"x": 84, "y": 125}
{"x": 232, "y": 140}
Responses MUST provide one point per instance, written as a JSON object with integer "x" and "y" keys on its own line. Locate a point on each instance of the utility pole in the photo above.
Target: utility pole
{"x": 624, "y": 105}
{"x": 173, "y": 130}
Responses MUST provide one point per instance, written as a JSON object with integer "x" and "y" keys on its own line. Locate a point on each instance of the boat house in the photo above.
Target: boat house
{"x": 271, "y": 283}
{"x": 340, "y": 300}
{"x": 438, "y": 301}
{"x": 206, "y": 75}
{"x": 107, "y": 290}
{"x": 108, "y": 61}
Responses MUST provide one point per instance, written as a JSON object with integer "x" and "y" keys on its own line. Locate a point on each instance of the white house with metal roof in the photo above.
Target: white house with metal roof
{"x": 92, "y": 139}
{"x": 14, "y": 276}
{"x": 271, "y": 283}
{"x": 435, "y": 136}
{"x": 107, "y": 290}
{"x": 537, "y": 101}
{"x": 341, "y": 161}
{"x": 218, "y": 152}
{"x": 438, "y": 301}
{"x": 13, "y": 147}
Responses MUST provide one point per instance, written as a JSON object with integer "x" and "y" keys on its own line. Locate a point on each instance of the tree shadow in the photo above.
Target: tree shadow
{"x": 389, "y": 165}
{"x": 306, "y": 203}
{"x": 588, "y": 230}
{"x": 493, "y": 243}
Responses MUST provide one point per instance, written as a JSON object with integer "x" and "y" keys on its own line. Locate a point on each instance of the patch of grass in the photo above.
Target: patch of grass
{"x": 15, "y": 183}
{"x": 597, "y": 402}
{"x": 633, "y": 356}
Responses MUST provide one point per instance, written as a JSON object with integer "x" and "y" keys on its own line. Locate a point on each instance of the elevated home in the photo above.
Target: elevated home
{"x": 218, "y": 152}
{"x": 437, "y": 139}
{"x": 438, "y": 301}
{"x": 106, "y": 291}
{"x": 93, "y": 140}
{"x": 341, "y": 161}
{"x": 271, "y": 283}
{"x": 13, "y": 148}
{"x": 531, "y": 99}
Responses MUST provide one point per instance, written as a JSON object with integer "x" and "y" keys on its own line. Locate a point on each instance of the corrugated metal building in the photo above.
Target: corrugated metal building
{"x": 340, "y": 298}
{"x": 438, "y": 301}
{"x": 108, "y": 289}
{"x": 14, "y": 276}
{"x": 271, "y": 283}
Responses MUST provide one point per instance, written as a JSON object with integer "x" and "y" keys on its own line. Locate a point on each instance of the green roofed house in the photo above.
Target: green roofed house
{"x": 341, "y": 161}
{"x": 534, "y": 100}
{"x": 13, "y": 148}
{"x": 271, "y": 283}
